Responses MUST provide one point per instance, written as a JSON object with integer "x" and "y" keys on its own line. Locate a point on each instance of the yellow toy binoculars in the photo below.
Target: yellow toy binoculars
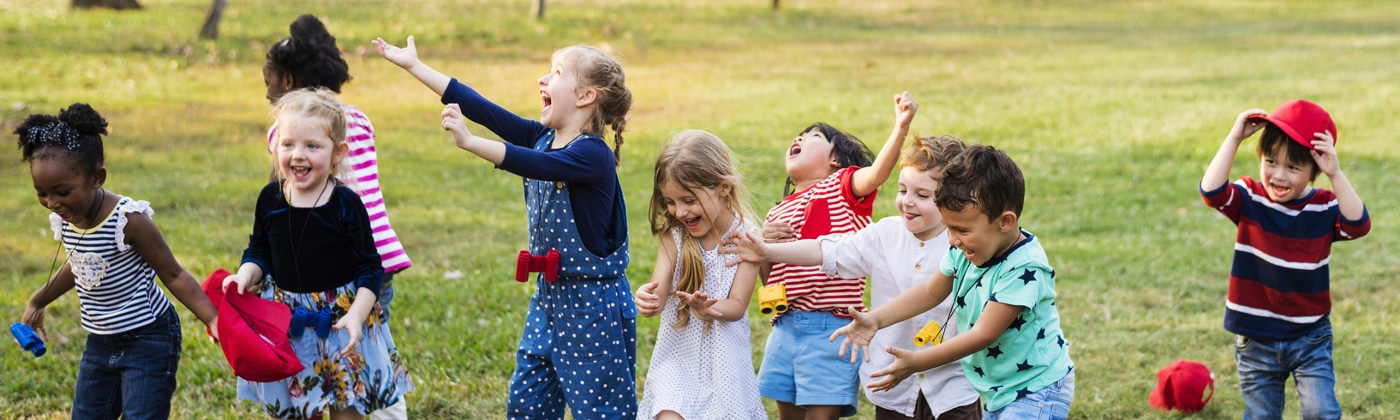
{"x": 772, "y": 299}
{"x": 931, "y": 333}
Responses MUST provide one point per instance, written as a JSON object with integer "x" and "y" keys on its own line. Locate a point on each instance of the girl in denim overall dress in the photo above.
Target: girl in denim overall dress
{"x": 579, "y": 345}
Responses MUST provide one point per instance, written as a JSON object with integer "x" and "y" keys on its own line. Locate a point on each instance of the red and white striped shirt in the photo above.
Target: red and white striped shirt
{"x": 360, "y": 172}
{"x": 826, "y": 208}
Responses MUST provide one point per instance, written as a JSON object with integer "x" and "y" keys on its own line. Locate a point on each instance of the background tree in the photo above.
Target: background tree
{"x": 210, "y": 30}
{"x": 109, "y": 4}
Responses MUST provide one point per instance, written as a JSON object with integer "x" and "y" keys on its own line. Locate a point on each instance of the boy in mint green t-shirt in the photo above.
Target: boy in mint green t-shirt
{"x": 1010, "y": 343}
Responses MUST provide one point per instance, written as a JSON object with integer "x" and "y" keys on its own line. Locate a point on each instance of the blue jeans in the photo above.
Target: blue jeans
{"x": 1265, "y": 365}
{"x": 131, "y": 374}
{"x": 1050, "y": 403}
{"x": 386, "y": 293}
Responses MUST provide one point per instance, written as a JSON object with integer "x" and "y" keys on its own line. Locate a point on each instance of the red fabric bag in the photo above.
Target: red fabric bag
{"x": 252, "y": 332}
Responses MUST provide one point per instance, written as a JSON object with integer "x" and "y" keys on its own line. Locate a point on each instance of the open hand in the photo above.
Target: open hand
{"x": 778, "y": 232}
{"x": 893, "y": 374}
{"x": 746, "y": 245}
{"x": 857, "y": 334}
{"x": 404, "y": 57}
{"x": 701, "y": 303}
{"x": 355, "y": 327}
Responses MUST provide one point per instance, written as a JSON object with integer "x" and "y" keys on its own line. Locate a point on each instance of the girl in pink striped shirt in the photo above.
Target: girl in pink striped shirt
{"x": 310, "y": 58}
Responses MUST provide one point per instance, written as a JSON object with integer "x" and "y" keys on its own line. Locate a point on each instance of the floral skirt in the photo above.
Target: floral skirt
{"x": 371, "y": 378}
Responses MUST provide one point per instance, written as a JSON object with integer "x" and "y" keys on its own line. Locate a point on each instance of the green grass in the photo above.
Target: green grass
{"x": 1111, "y": 108}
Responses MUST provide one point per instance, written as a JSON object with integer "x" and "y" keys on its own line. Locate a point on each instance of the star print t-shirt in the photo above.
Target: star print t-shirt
{"x": 1032, "y": 353}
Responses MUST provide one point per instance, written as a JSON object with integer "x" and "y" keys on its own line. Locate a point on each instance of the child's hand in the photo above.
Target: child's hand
{"x": 404, "y": 57}
{"x": 35, "y": 317}
{"x": 904, "y": 108}
{"x": 355, "y": 326}
{"x": 1248, "y": 123}
{"x": 245, "y": 283}
{"x": 744, "y": 244}
{"x": 452, "y": 120}
{"x": 701, "y": 303}
{"x": 648, "y": 304}
{"x": 893, "y": 374}
{"x": 1324, "y": 153}
{"x": 858, "y": 334}
{"x": 777, "y": 232}
{"x": 213, "y": 326}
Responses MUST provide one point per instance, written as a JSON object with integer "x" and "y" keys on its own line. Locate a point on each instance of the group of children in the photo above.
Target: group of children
{"x": 953, "y": 267}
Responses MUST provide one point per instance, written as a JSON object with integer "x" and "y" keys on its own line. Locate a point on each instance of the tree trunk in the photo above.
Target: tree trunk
{"x": 775, "y": 4}
{"x": 539, "y": 12}
{"x": 109, "y": 4}
{"x": 210, "y": 30}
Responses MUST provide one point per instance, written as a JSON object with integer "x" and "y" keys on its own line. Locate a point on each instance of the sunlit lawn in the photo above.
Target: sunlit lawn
{"x": 1112, "y": 109}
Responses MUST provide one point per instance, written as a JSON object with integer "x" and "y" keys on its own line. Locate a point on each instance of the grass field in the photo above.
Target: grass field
{"x": 1111, "y": 108}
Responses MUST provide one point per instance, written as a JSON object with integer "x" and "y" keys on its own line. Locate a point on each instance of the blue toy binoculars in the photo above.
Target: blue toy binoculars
{"x": 28, "y": 339}
{"x": 303, "y": 319}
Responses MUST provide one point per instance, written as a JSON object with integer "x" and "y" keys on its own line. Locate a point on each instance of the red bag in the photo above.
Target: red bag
{"x": 252, "y": 332}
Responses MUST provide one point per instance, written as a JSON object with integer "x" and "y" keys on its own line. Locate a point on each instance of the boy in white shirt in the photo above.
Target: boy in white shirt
{"x": 897, "y": 253}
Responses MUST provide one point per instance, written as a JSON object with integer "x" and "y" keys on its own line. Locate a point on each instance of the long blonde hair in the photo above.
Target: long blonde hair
{"x": 599, "y": 71}
{"x": 695, "y": 159}
{"x": 317, "y": 103}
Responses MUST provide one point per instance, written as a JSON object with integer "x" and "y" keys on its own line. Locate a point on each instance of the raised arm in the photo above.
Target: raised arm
{"x": 407, "y": 58}
{"x": 1325, "y": 154}
{"x": 866, "y": 180}
{"x": 1218, "y": 173}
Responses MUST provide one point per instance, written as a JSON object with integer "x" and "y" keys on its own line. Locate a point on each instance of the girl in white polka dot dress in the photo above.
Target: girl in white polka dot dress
{"x": 702, "y": 364}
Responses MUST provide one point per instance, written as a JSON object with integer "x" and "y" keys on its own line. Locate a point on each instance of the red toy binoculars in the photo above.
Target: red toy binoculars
{"x": 547, "y": 264}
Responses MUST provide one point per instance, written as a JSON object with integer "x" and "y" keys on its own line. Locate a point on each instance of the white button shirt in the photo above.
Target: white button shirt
{"x": 895, "y": 261}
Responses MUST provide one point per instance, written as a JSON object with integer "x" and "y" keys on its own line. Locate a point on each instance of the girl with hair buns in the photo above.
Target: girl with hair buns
{"x": 704, "y": 343}
{"x": 579, "y": 342}
{"x": 312, "y": 249}
{"x": 114, "y": 252}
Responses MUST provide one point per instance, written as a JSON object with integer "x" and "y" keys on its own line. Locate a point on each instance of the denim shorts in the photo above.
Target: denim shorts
{"x": 801, "y": 365}
{"x": 1265, "y": 365}
{"x": 130, "y": 374}
{"x": 386, "y": 293}
{"x": 1049, "y": 403}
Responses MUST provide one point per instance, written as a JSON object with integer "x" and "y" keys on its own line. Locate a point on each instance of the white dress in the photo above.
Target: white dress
{"x": 703, "y": 374}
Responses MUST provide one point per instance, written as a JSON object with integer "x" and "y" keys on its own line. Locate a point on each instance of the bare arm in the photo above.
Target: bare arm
{"x": 145, "y": 238}
{"x": 1325, "y": 154}
{"x": 750, "y": 247}
{"x": 736, "y": 305}
{"x": 921, "y": 298}
{"x": 1218, "y": 173}
{"x": 866, "y": 180}
{"x": 650, "y": 298}
{"x": 407, "y": 58}
{"x": 453, "y": 121}
{"x": 991, "y": 325}
{"x": 61, "y": 283}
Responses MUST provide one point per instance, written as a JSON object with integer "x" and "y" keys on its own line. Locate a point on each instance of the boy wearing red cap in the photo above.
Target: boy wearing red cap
{"x": 1278, "y": 302}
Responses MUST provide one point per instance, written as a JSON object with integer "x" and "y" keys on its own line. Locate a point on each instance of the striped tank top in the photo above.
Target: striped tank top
{"x": 116, "y": 288}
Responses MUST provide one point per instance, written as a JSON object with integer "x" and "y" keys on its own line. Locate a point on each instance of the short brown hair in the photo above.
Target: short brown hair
{"x": 985, "y": 177}
{"x": 931, "y": 152}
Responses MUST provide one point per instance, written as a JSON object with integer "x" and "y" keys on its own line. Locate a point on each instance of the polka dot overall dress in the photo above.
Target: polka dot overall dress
{"x": 580, "y": 340}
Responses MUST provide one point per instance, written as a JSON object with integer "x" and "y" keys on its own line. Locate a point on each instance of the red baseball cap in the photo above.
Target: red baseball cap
{"x": 252, "y": 332}
{"x": 1182, "y": 386}
{"x": 1300, "y": 119}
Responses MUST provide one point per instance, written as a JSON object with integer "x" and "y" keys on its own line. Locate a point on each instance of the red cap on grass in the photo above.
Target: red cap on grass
{"x": 1300, "y": 119}
{"x": 1182, "y": 386}
{"x": 252, "y": 332}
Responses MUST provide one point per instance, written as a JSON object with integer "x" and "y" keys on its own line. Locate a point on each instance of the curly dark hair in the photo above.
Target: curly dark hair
{"x": 985, "y": 177}
{"x": 309, "y": 56}
{"x": 74, "y": 134}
